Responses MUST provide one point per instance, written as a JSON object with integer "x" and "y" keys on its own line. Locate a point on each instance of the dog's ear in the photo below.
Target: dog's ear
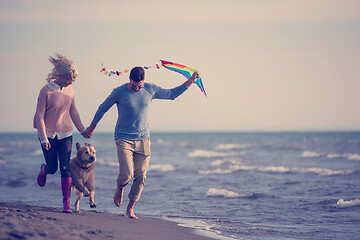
{"x": 78, "y": 146}
{"x": 87, "y": 144}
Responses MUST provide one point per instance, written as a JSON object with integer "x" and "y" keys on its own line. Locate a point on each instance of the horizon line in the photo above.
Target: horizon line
{"x": 211, "y": 131}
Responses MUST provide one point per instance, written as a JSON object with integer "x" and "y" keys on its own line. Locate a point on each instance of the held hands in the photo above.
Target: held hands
{"x": 85, "y": 134}
{"x": 89, "y": 131}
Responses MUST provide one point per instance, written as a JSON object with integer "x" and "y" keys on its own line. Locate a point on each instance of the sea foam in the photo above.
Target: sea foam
{"x": 342, "y": 203}
{"x": 225, "y": 161}
{"x": 219, "y": 192}
{"x": 353, "y": 156}
{"x": 312, "y": 154}
{"x": 107, "y": 163}
{"x": 349, "y": 156}
{"x": 161, "y": 167}
{"x": 158, "y": 167}
{"x": 232, "y": 146}
{"x": 210, "y": 154}
{"x": 37, "y": 152}
{"x": 273, "y": 169}
{"x": 170, "y": 143}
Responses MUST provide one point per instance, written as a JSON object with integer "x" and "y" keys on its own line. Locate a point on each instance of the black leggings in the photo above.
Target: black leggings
{"x": 60, "y": 150}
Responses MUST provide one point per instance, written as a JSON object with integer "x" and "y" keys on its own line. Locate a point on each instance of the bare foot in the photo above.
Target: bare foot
{"x": 131, "y": 214}
{"x": 118, "y": 196}
{"x": 130, "y": 210}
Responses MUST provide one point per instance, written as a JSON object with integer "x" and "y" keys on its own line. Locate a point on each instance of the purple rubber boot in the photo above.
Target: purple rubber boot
{"x": 66, "y": 191}
{"x": 41, "y": 178}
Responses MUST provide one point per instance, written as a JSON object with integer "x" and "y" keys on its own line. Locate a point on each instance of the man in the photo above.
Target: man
{"x": 132, "y": 134}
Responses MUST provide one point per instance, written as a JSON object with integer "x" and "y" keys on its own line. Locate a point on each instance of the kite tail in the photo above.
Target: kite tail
{"x": 200, "y": 85}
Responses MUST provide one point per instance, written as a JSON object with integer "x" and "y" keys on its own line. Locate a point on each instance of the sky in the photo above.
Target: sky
{"x": 267, "y": 65}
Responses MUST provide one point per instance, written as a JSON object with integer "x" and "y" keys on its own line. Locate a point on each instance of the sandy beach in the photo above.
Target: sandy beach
{"x": 18, "y": 221}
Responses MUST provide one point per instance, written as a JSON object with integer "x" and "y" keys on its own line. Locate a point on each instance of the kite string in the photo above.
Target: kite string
{"x": 109, "y": 73}
{"x": 118, "y": 73}
{"x": 156, "y": 66}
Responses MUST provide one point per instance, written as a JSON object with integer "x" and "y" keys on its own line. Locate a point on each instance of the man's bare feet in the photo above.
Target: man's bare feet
{"x": 130, "y": 210}
{"x": 118, "y": 196}
{"x": 131, "y": 215}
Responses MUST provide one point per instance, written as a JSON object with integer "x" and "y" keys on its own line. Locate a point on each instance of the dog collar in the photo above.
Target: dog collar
{"x": 85, "y": 168}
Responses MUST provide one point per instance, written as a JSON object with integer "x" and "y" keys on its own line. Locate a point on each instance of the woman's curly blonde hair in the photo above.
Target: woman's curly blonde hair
{"x": 62, "y": 66}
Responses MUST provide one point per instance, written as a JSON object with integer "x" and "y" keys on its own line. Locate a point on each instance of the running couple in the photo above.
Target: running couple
{"x": 56, "y": 111}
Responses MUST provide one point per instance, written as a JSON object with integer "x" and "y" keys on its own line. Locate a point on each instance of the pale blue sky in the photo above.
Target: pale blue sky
{"x": 266, "y": 65}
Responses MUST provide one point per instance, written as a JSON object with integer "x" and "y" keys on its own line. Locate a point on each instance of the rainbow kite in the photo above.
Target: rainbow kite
{"x": 184, "y": 70}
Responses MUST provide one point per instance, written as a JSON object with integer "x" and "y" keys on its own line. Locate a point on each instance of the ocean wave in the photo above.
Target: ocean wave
{"x": 3, "y": 149}
{"x": 334, "y": 155}
{"x": 349, "y": 156}
{"x": 230, "y": 146}
{"x": 322, "y": 171}
{"x": 230, "y": 169}
{"x": 169, "y": 143}
{"x": 224, "y": 161}
{"x": 37, "y": 152}
{"x": 107, "y": 163}
{"x": 311, "y": 154}
{"x": 275, "y": 169}
{"x": 353, "y": 157}
{"x": 342, "y": 203}
{"x": 210, "y": 154}
{"x": 216, "y": 171}
{"x": 203, "y": 228}
{"x": 2, "y": 161}
{"x": 158, "y": 167}
{"x": 219, "y": 192}
{"x": 161, "y": 167}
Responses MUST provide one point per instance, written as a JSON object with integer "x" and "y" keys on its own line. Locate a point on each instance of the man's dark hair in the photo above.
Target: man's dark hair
{"x": 137, "y": 74}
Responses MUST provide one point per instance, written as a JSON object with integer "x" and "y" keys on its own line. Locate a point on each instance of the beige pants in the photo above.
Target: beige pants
{"x": 134, "y": 158}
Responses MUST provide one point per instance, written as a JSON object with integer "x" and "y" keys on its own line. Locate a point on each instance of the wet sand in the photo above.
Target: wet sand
{"x": 19, "y": 221}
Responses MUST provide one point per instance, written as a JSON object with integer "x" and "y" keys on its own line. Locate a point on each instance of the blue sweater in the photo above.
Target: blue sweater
{"x": 132, "y": 123}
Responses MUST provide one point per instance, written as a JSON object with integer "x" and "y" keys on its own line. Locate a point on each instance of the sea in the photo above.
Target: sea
{"x": 226, "y": 185}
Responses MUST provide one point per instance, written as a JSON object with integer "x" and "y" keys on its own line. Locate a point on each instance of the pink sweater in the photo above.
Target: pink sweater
{"x": 55, "y": 111}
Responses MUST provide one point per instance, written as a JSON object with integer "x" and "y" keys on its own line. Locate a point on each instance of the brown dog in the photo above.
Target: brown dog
{"x": 83, "y": 174}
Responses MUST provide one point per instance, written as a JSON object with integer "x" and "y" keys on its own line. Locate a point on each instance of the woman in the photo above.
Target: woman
{"x": 53, "y": 119}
